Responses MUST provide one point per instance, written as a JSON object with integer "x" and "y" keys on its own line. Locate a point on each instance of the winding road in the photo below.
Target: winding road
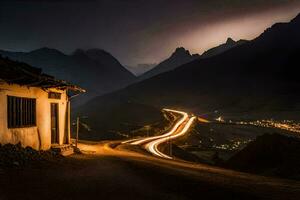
{"x": 180, "y": 128}
{"x": 110, "y": 170}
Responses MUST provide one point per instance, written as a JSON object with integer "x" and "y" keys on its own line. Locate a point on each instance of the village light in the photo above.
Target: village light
{"x": 220, "y": 119}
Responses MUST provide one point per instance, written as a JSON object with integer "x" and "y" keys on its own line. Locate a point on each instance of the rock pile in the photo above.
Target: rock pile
{"x": 18, "y": 156}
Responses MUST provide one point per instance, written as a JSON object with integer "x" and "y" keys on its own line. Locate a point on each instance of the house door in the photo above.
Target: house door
{"x": 54, "y": 124}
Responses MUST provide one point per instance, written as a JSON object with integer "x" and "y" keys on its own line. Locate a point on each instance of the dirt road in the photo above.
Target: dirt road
{"x": 107, "y": 173}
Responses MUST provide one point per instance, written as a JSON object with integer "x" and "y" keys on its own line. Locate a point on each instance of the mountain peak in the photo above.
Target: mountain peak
{"x": 78, "y": 52}
{"x": 97, "y": 52}
{"x": 181, "y": 51}
{"x": 102, "y": 58}
{"x": 91, "y": 52}
{"x": 179, "y": 57}
{"x": 46, "y": 50}
{"x": 230, "y": 41}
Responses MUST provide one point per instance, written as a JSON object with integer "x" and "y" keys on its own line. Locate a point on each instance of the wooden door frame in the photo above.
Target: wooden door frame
{"x": 57, "y": 122}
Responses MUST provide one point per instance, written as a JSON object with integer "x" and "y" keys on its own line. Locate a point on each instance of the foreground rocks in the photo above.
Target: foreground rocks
{"x": 16, "y": 156}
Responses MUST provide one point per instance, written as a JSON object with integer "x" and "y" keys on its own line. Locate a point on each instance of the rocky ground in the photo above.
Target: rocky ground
{"x": 16, "y": 156}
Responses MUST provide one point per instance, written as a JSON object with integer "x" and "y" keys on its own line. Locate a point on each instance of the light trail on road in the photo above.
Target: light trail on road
{"x": 180, "y": 128}
{"x": 153, "y": 146}
{"x": 172, "y": 131}
{"x": 129, "y": 141}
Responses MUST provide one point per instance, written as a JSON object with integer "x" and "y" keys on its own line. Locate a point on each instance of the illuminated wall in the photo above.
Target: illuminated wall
{"x": 39, "y": 136}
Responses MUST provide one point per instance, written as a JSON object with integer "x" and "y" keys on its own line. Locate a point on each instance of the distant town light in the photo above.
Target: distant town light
{"x": 220, "y": 119}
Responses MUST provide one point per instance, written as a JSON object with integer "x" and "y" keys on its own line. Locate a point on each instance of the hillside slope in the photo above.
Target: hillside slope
{"x": 229, "y": 44}
{"x": 274, "y": 154}
{"x": 259, "y": 76}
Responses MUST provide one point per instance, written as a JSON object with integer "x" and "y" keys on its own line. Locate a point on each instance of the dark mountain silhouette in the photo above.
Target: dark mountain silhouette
{"x": 264, "y": 70}
{"x": 182, "y": 56}
{"x": 52, "y": 61}
{"x": 95, "y": 70}
{"x": 230, "y": 43}
{"x": 269, "y": 154}
{"x": 258, "y": 76}
{"x": 179, "y": 57}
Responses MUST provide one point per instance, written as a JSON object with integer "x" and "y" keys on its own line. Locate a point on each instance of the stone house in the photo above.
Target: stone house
{"x": 34, "y": 107}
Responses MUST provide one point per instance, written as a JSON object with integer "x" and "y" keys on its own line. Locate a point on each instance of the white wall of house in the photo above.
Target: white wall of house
{"x": 38, "y": 137}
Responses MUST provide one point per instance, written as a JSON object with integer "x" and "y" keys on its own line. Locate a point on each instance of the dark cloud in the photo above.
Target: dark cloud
{"x": 133, "y": 30}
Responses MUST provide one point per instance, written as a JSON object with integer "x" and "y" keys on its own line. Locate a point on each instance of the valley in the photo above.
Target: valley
{"x": 149, "y": 100}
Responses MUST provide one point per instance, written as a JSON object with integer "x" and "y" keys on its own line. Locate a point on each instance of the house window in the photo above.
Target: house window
{"x": 54, "y": 95}
{"x": 21, "y": 112}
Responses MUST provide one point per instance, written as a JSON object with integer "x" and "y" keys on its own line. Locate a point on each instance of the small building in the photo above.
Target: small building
{"x": 34, "y": 107}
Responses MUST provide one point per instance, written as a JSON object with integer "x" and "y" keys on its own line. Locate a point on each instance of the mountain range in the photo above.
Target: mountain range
{"x": 95, "y": 70}
{"x": 98, "y": 71}
{"x": 182, "y": 56}
{"x": 259, "y": 76}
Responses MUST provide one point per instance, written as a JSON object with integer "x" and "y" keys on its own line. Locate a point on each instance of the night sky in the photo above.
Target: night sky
{"x": 136, "y": 31}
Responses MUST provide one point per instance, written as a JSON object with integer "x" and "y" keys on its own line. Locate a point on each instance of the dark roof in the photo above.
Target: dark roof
{"x": 20, "y": 73}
